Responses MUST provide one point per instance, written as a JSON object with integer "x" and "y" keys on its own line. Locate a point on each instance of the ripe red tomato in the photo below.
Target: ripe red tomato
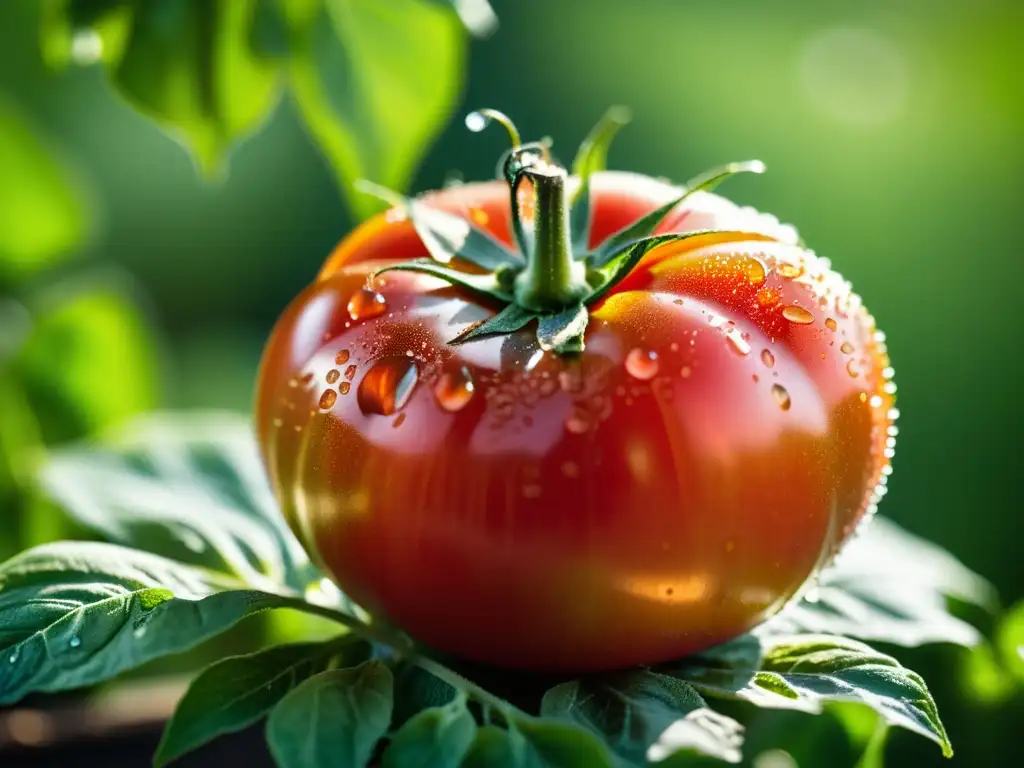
{"x": 727, "y": 425}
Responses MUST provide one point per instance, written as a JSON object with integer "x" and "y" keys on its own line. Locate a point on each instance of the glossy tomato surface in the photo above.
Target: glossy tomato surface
{"x": 725, "y": 429}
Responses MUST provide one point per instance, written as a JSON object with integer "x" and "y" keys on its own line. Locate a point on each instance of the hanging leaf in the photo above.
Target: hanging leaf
{"x": 438, "y": 737}
{"x": 189, "y": 65}
{"x": 332, "y": 720}
{"x": 236, "y": 692}
{"x": 807, "y": 671}
{"x": 375, "y": 86}
{"x": 42, "y": 213}
{"x": 592, "y": 158}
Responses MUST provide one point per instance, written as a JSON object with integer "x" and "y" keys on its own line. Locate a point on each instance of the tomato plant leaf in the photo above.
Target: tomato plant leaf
{"x": 76, "y": 613}
{"x": 332, "y": 720}
{"x": 375, "y": 85}
{"x": 42, "y": 212}
{"x": 645, "y": 225}
{"x": 891, "y": 586}
{"x": 417, "y": 689}
{"x": 537, "y": 743}
{"x": 510, "y": 319}
{"x": 644, "y": 715}
{"x": 445, "y": 235}
{"x": 438, "y": 737}
{"x": 808, "y": 671}
{"x": 190, "y": 65}
{"x": 238, "y": 691}
{"x": 591, "y": 158}
{"x": 190, "y": 487}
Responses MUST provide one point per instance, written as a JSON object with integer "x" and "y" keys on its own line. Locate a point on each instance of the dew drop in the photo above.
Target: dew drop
{"x": 851, "y": 368}
{"x": 454, "y": 390}
{"x": 797, "y": 315}
{"x": 75, "y": 641}
{"x": 577, "y": 424}
{"x": 342, "y": 357}
{"x": 344, "y": 387}
{"x": 386, "y": 387}
{"x": 398, "y": 421}
{"x": 876, "y": 401}
{"x": 737, "y": 343}
{"x": 571, "y": 469}
{"x": 13, "y": 658}
{"x": 767, "y": 358}
{"x": 830, "y": 323}
{"x": 781, "y": 396}
{"x": 789, "y": 271}
{"x": 350, "y": 372}
{"x": 328, "y": 399}
{"x": 685, "y": 371}
{"x": 476, "y": 121}
{"x": 642, "y": 364}
{"x": 277, "y": 422}
{"x": 366, "y": 303}
{"x": 333, "y": 375}
{"x": 479, "y": 216}
{"x": 846, "y": 348}
{"x": 768, "y": 297}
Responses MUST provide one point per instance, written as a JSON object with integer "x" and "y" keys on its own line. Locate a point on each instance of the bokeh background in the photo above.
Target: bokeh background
{"x": 893, "y": 131}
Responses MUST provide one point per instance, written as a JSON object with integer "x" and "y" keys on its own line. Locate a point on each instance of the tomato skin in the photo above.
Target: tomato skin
{"x": 670, "y": 489}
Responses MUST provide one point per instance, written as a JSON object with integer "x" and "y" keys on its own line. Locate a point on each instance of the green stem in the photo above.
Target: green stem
{"x": 552, "y": 280}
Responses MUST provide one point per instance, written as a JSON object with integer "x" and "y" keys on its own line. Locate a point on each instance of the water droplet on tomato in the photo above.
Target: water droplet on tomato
{"x": 767, "y": 357}
{"x": 479, "y": 216}
{"x": 344, "y": 387}
{"x": 571, "y": 469}
{"x": 386, "y": 387}
{"x": 278, "y": 422}
{"x": 366, "y": 303}
{"x": 577, "y": 423}
{"x": 642, "y": 364}
{"x": 830, "y": 323}
{"x": 846, "y": 348}
{"x": 797, "y": 315}
{"x": 768, "y": 297}
{"x": 685, "y": 371}
{"x": 454, "y": 389}
{"x": 737, "y": 343}
{"x": 789, "y": 271}
{"x": 328, "y": 399}
{"x": 333, "y": 375}
{"x": 350, "y": 372}
{"x": 781, "y": 396}
{"x": 851, "y": 368}
{"x": 342, "y": 357}
{"x": 398, "y": 421}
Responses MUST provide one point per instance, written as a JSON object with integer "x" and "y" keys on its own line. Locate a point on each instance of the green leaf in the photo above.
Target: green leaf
{"x": 592, "y": 158}
{"x": 238, "y": 691}
{"x": 438, "y": 737}
{"x": 77, "y": 613}
{"x": 645, "y": 225}
{"x": 483, "y": 286}
{"x": 416, "y": 690}
{"x": 508, "y": 320}
{"x": 446, "y": 235}
{"x": 376, "y": 86}
{"x": 1010, "y": 641}
{"x": 90, "y": 360}
{"x": 645, "y": 715}
{"x": 563, "y": 332}
{"x": 190, "y": 65}
{"x": 891, "y": 586}
{"x": 805, "y": 672}
{"x": 332, "y": 720}
{"x": 191, "y": 486}
{"x": 83, "y": 32}
{"x": 42, "y": 212}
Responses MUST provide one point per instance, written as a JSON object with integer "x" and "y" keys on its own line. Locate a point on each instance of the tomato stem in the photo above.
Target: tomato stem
{"x": 552, "y": 280}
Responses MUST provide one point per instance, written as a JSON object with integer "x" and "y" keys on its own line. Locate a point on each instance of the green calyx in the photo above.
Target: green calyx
{"x": 552, "y": 276}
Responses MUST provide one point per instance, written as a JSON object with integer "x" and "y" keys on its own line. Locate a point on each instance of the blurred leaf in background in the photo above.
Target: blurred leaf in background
{"x": 374, "y": 82}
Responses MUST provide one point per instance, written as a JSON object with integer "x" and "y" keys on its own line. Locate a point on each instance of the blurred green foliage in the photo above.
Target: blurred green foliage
{"x": 892, "y": 132}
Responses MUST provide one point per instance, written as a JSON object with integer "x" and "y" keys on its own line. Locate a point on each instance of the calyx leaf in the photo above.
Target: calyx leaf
{"x": 591, "y": 158}
{"x": 563, "y": 332}
{"x": 483, "y": 286}
{"x": 509, "y": 320}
